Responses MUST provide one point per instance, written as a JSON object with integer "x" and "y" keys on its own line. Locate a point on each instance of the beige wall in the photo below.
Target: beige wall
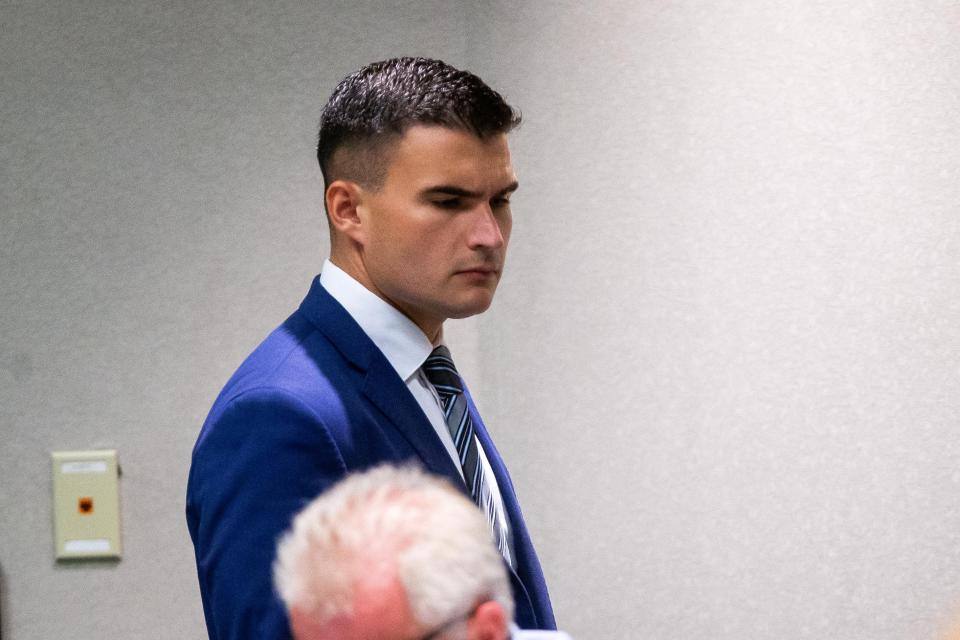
{"x": 723, "y": 362}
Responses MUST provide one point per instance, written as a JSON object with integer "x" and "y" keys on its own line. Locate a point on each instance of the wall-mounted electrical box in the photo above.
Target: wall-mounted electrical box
{"x": 86, "y": 504}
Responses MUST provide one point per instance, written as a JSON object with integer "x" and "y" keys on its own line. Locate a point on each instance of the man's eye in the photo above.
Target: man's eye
{"x": 500, "y": 202}
{"x": 449, "y": 203}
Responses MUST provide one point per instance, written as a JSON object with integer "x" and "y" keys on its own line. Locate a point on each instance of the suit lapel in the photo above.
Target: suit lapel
{"x": 518, "y": 528}
{"x": 382, "y": 386}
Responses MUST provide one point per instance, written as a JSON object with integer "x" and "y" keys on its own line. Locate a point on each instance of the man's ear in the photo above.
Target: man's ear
{"x": 488, "y": 622}
{"x": 343, "y": 199}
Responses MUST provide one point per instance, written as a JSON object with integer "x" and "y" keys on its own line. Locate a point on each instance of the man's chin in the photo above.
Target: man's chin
{"x": 471, "y": 308}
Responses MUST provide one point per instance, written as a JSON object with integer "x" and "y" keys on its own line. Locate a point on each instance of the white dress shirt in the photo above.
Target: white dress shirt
{"x": 406, "y": 348}
{"x": 517, "y": 633}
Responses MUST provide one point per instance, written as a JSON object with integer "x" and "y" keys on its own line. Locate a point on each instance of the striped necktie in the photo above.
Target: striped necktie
{"x": 443, "y": 376}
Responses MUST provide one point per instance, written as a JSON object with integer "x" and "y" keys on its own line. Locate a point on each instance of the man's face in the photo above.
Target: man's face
{"x": 432, "y": 240}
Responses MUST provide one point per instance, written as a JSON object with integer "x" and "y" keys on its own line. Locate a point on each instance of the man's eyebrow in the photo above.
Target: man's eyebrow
{"x": 460, "y": 192}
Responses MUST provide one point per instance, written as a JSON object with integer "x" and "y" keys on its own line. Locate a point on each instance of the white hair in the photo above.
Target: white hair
{"x": 392, "y": 519}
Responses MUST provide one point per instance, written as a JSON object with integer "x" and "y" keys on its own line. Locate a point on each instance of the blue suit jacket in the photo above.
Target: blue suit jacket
{"x": 316, "y": 400}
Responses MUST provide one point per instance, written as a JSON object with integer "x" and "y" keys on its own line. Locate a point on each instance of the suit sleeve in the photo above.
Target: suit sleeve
{"x": 259, "y": 462}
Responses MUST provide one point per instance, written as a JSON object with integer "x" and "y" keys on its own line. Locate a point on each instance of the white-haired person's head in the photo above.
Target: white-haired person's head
{"x": 393, "y": 554}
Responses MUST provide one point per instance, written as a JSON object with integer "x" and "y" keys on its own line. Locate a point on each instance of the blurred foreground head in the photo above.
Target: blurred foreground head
{"x": 393, "y": 554}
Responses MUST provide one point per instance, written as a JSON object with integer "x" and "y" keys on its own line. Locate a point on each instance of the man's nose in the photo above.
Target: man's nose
{"x": 486, "y": 230}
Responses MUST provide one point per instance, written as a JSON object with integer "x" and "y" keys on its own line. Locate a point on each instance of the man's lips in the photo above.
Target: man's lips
{"x": 484, "y": 270}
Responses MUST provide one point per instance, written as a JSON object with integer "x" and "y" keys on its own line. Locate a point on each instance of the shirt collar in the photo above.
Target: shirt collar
{"x": 401, "y": 341}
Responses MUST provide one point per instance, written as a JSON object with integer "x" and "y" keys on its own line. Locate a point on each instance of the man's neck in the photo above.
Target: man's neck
{"x": 432, "y": 329}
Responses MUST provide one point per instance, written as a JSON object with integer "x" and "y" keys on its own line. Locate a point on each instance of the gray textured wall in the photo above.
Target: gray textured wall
{"x": 737, "y": 261}
{"x": 722, "y": 364}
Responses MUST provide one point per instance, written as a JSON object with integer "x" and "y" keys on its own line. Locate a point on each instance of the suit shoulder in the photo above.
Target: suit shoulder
{"x": 295, "y": 361}
{"x": 292, "y": 352}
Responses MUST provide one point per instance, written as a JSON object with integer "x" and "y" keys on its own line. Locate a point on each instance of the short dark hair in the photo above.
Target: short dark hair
{"x": 376, "y": 104}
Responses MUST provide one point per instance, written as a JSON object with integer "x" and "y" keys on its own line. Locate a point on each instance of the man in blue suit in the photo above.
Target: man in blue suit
{"x": 418, "y": 180}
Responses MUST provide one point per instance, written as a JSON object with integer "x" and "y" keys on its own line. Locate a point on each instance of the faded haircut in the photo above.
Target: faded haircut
{"x": 391, "y": 519}
{"x": 371, "y": 108}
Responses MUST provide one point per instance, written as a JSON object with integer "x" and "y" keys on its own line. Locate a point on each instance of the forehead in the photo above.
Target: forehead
{"x": 381, "y": 608}
{"x": 380, "y": 611}
{"x": 427, "y": 156}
